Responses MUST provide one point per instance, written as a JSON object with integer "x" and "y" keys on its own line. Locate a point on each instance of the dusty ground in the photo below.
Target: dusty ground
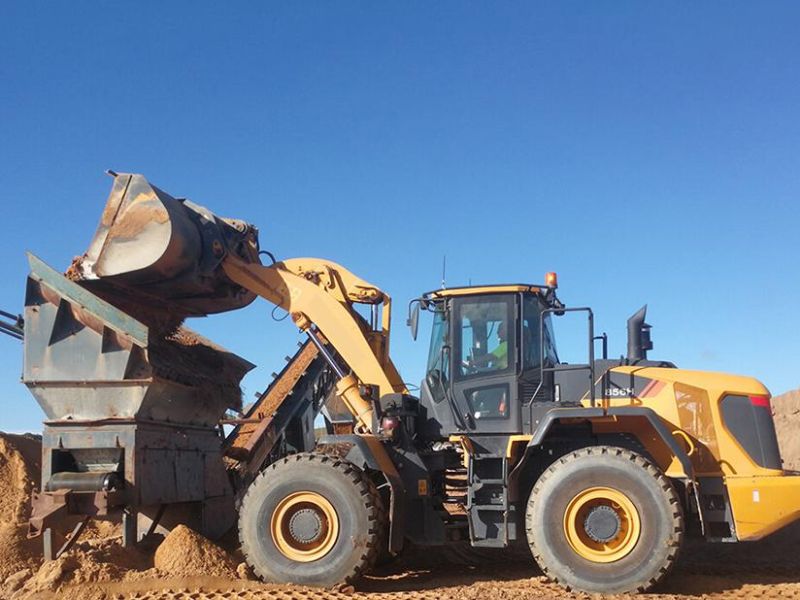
{"x": 187, "y": 567}
{"x": 755, "y": 571}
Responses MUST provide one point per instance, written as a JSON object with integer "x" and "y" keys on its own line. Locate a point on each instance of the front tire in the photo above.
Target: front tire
{"x": 311, "y": 519}
{"x": 604, "y": 520}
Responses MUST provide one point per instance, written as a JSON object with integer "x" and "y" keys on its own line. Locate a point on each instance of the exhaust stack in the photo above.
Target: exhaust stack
{"x": 639, "y": 341}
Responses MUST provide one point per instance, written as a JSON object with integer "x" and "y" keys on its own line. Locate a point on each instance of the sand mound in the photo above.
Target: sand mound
{"x": 22, "y": 573}
{"x": 20, "y": 464}
{"x": 786, "y": 412}
{"x": 88, "y": 562}
{"x": 186, "y": 553}
{"x": 83, "y": 565}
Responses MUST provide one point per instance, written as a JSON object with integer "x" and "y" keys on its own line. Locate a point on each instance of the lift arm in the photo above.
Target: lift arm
{"x": 319, "y": 295}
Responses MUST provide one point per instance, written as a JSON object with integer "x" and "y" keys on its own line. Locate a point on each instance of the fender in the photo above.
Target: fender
{"x": 655, "y": 421}
{"x": 544, "y": 424}
{"x": 367, "y": 452}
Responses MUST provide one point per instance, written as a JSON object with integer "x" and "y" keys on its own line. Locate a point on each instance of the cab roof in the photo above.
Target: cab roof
{"x": 473, "y": 290}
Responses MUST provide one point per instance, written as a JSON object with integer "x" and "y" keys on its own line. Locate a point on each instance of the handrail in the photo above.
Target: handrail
{"x": 590, "y": 367}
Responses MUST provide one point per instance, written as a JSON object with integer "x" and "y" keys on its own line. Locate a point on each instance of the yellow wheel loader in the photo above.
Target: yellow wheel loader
{"x": 601, "y": 468}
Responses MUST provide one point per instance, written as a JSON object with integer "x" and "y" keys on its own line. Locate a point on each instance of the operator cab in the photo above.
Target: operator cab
{"x": 491, "y": 351}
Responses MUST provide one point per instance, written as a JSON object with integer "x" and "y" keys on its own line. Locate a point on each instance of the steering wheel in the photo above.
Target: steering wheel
{"x": 469, "y": 367}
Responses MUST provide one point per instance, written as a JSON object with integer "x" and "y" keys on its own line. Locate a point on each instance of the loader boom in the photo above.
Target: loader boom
{"x": 320, "y": 295}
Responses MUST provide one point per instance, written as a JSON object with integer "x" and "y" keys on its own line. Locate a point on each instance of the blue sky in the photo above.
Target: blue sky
{"x": 647, "y": 152}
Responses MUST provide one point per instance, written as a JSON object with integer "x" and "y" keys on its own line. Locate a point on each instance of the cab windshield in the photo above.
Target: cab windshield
{"x": 486, "y": 335}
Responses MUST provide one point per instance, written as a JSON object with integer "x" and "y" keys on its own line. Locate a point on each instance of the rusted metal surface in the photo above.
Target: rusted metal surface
{"x": 87, "y": 360}
{"x": 90, "y": 309}
{"x": 49, "y": 508}
{"x": 342, "y": 428}
{"x": 71, "y": 539}
{"x": 287, "y": 411}
{"x": 159, "y": 258}
{"x": 243, "y": 440}
{"x": 129, "y": 402}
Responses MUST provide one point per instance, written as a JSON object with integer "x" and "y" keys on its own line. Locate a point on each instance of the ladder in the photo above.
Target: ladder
{"x": 492, "y": 520}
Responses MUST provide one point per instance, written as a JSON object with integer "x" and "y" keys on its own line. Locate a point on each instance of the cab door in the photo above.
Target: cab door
{"x": 484, "y": 366}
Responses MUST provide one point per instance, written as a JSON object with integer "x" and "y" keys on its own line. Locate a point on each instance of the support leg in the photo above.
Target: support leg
{"x": 76, "y": 533}
{"x": 154, "y": 523}
{"x": 47, "y": 541}
{"x": 129, "y": 528}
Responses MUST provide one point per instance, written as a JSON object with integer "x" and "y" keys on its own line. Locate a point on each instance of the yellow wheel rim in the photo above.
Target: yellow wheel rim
{"x": 304, "y": 526}
{"x": 602, "y": 524}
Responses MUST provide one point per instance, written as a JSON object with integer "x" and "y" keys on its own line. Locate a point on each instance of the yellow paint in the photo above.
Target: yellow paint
{"x": 466, "y": 445}
{"x": 515, "y": 441}
{"x": 762, "y": 500}
{"x": 578, "y": 510}
{"x": 280, "y": 526}
{"x": 690, "y": 447}
{"x": 361, "y": 408}
{"x": 483, "y": 289}
{"x": 689, "y": 404}
{"x": 322, "y": 292}
{"x": 762, "y": 505}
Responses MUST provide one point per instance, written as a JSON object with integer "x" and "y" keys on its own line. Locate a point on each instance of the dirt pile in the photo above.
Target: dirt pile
{"x": 98, "y": 557}
{"x": 90, "y": 562}
{"x": 20, "y": 465}
{"x": 185, "y": 553}
{"x": 786, "y": 412}
{"x": 98, "y": 564}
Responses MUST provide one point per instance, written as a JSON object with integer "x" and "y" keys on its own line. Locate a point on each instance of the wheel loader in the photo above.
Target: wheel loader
{"x": 601, "y": 468}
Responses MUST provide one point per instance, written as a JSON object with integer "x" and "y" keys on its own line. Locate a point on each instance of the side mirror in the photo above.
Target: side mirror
{"x": 413, "y": 318}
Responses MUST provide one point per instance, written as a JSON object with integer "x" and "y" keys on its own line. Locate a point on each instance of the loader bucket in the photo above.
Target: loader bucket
{"x": 144, "y": 235}
{"x": 166, "y": 252}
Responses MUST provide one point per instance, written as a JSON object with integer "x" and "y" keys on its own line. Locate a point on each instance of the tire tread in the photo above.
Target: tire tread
{"x": 666, "y": 487}
{"x": 377, "y": 515}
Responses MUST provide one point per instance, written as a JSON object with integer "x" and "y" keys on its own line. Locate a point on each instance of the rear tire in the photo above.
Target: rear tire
{"x": 604, "y": 520}
{"x": 311, "y": 519}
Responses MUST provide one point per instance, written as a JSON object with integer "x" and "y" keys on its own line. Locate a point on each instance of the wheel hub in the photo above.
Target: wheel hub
{"x": 602, "y": 524}
{"x": 306, "y": 526}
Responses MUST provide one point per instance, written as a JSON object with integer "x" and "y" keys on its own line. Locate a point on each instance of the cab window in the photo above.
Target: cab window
{"x": 531, "y": 335}
{"x": 438, "y": 367}
{"x": 485, "y": 331}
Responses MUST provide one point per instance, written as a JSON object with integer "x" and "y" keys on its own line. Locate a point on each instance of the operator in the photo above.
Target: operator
{"x": 491, "y": 402}
{"x": 497, "y": 359}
